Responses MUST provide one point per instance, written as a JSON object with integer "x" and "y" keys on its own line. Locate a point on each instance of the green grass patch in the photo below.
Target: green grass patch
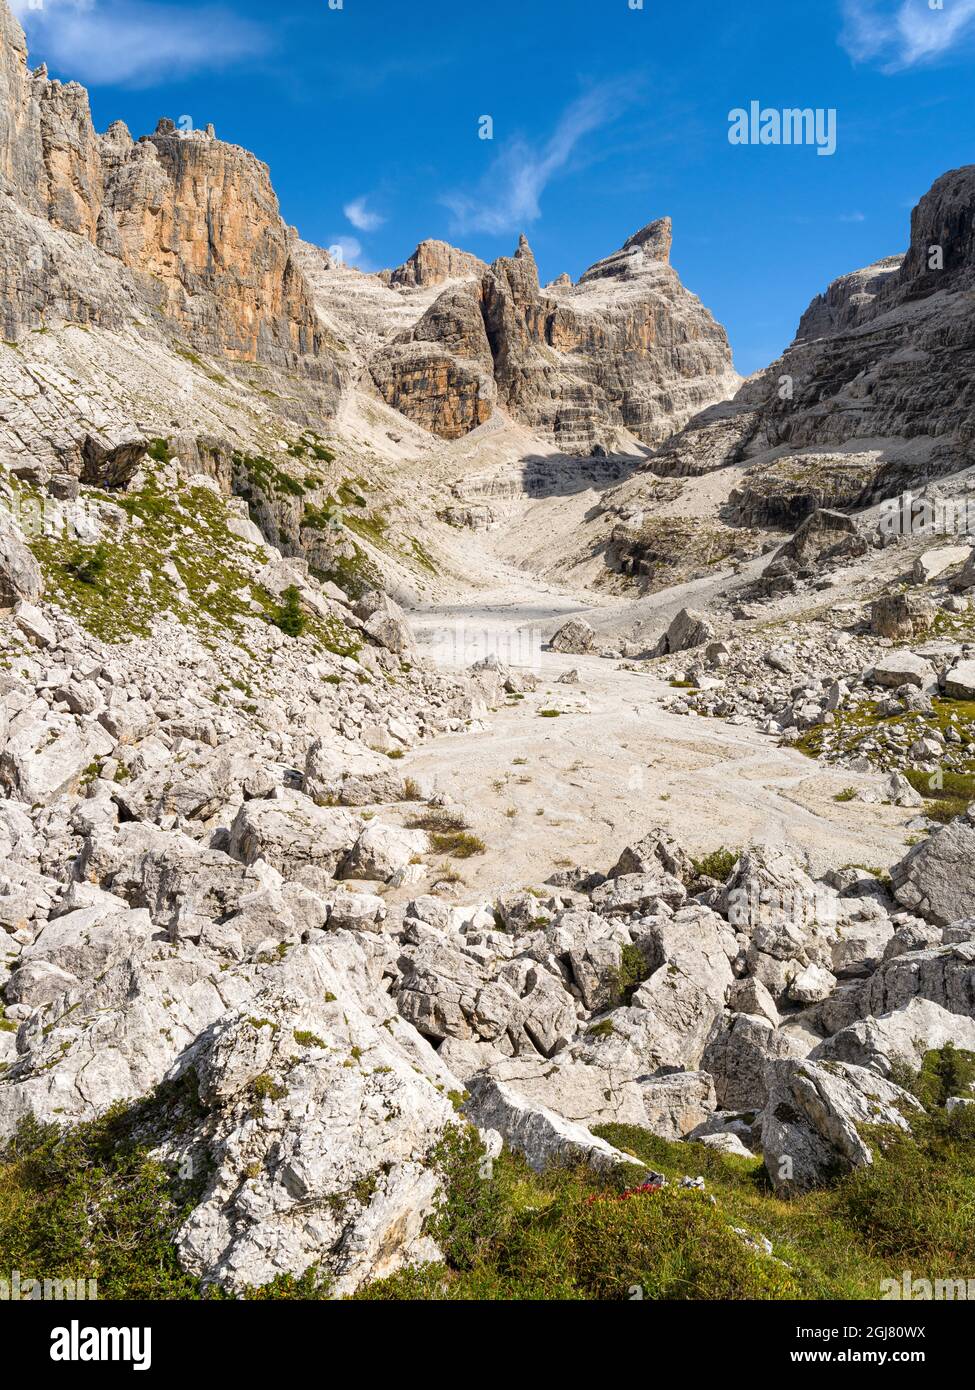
{"x": 90, "y": 1203}
{"x": 947, "y": 794}
{"x": 119, "y": 588}
{"x": 460, "y": 844}
{"x": 508, "y": 1233}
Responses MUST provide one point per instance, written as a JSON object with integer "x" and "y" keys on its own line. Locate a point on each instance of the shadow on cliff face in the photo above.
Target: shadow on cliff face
{"x": 537, "y": 476}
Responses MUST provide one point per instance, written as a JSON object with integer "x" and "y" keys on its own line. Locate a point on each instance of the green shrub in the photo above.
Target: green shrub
{"x": 916, "y": 1201}
{"x": 289, "y": 616}
{"x": 459, "y": 843}
{"x": 633, "y": 970}
{"x": 159, "y": 450}
{"x": 448, "y": 833}
{"x": 89, "y": 1203}
{"x": 508, "y": 1233}
{"x": 945, "y": 1072}
{"x": 719, "y": 864}
{"x": 437, "y": 820}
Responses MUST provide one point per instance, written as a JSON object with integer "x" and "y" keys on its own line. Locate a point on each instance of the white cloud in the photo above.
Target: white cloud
{"x": 360, "y": 216}
{"x": 508, "y": 197}
{"x": 135, "y": 43}
{"x": 348, "y": 250}
{"x": 853, "y": 217}
{"x": 899, "y": 34}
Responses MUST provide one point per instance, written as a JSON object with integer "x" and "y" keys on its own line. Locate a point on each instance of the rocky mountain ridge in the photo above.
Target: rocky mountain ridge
{"x": 875, "y": 391}
{"x": 186, "y": 226}
{"x": 184, "y": 221}
{"x": 627, "y": 349}
{"x": 247, "y": 899}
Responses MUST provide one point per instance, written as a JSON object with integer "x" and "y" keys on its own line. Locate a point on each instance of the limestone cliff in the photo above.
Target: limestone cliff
{"x": 193, "y": 219}
{"x": 875, "y": 394}
{"x": 626, "y": 349}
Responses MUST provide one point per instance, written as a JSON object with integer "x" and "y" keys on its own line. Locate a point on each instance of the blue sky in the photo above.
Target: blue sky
{"x": 605, "y": 117}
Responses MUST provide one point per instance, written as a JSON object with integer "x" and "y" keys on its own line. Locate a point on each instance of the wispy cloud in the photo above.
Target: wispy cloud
{"x": 348, "y": 250}
{"x": 508, "y": 197}
{"x": 136, "y": 43}
{"x": 899, "y": 34}
{"x": 361, "y": 217}
{"x": 853, "y": 217}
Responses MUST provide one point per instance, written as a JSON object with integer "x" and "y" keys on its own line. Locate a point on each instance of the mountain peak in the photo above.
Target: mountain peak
{"x": 654, "y": 240}
{"x": 432, "y": 263}
{"x": 648, "y": 247}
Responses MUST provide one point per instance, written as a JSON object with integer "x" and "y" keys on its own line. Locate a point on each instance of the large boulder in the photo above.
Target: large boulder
{"x": 303, "y": 841}
{"x": 821, "y": 532}
{"x": 182, "y": 884}
{"x": 640, "y": 893}
{"x": 80, "y": 944}
{"x": 314, "y": 1114}
{"x": 117, "y": 1040}
{"x": 386, "y": 623}
{"x": 535, "y": 1131}
{"x": 689, "y": 629}
{"x": 674, "y": 1012}
{"x": 20, "y": 574}
{"x": 45, "y": 757}
{"x": 936, "y": 879}
{"x": 897, "y": 668}
{"x": 770, "y": 887}
{"x": 932, "y": 564}
{"x": 943, "y": 974}
{"x": 656, "y": 851}
{"x": 815, "y": 1117}
{"x": 965, "y": 580}
{"x": 738, "y": 1057}
{"x": 316, "y": 1132}
{"x": 340, "y": 771}
{"x": 575, "y": 638}
{"x": 960, "y": 681}
{"x": 381, "y": 851}
{"x": 669, "y": 1105}
{"x": 899, "y": 1040}
{"x": 859, "y": 946}
{"x": 439, "y": 989}
{"x": 901, "y": 616}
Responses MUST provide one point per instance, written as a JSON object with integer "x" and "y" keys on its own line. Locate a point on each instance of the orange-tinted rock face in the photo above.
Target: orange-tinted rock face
{"x": 432, "y": 263}
{"x": 440, "y": 374}
{"x": 439, "y": 392}
{"x": 20, "y": 129}
{"x": 72, "y": 165}
{"x": 201, "y": 217}
{"x": 195, "y": 214}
